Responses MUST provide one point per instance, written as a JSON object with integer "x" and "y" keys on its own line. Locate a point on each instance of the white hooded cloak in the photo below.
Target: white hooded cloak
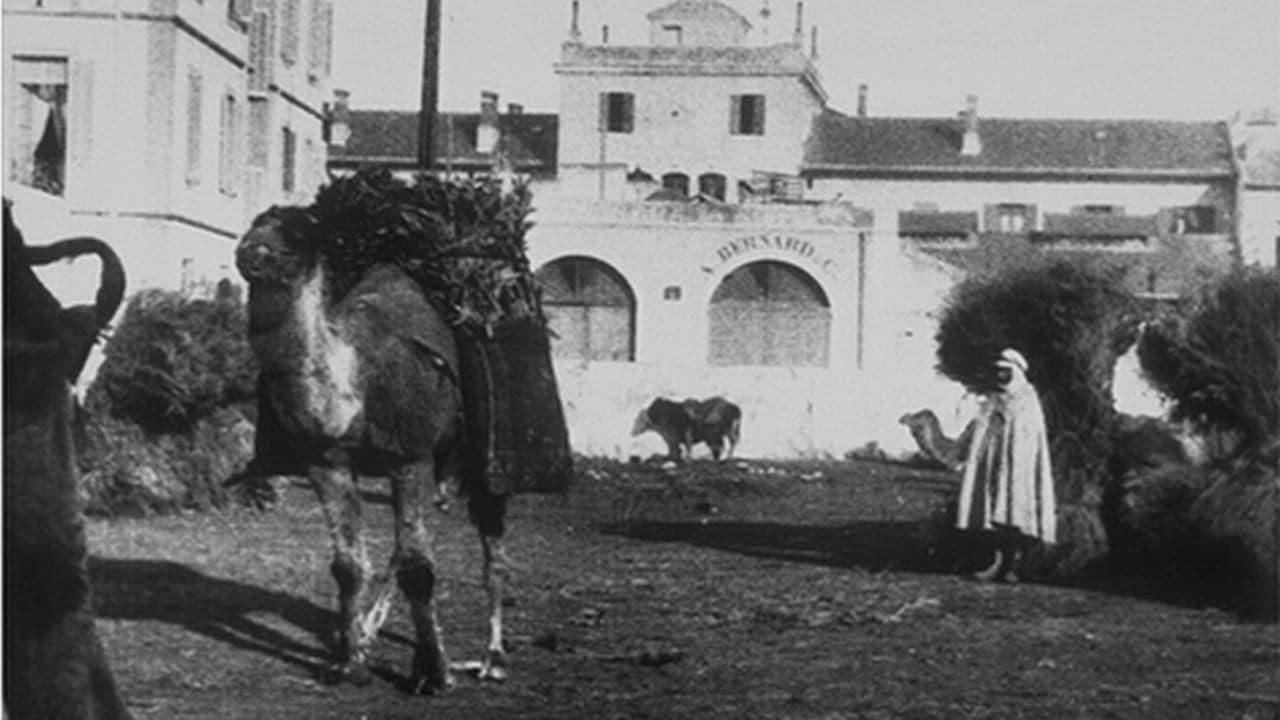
{"x": 1008, "y": 479}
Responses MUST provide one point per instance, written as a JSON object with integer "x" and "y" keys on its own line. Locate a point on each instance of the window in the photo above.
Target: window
{"x": 712, "y": 185}
{"x": 238, "y": 12}
{"x": 1101, "y": 209}
{"x": 39, "y": 142}
{"x": 617, "y": 112}
{"x": 677, "y": 181}
{"x": 1195, "y": 219}
{"x": 260, "y": 39}
{"x": 746, "y": 115}
{"x": 590, "y": 309}
{"x": 228, "y": 136}
{"x": 195, "y": 103}
{"x": 1011, "y": 218}
{"x": 289, "y": 32}
{"x": 289, "y": 160}
{"x": 259, "y": 154}
{"x": 672, "y": 35}
{"x": 769, "y": 313}
{"x": 319, "y": 39}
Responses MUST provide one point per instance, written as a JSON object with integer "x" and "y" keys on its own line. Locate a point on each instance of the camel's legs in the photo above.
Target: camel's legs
{"x": 488, "y": 512}
{"x": 340, "y": 500}
{"x": 416, "y": 575}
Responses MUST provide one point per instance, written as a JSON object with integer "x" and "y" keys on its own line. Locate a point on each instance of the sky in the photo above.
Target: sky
{"x": 1174, "y": 59}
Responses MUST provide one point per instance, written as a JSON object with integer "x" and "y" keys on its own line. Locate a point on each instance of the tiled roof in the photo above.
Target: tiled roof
{"x": 914, "y": 222}
{"x": 839, "y": 144}
{"x": 1099, "y": 225}
{"x": 529, "y": 140}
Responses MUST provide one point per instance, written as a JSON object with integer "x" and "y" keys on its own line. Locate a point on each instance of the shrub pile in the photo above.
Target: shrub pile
{"x": 1071, "y": 322}
{"x": 166, "y": 418}
{"x": 1219, "y": 363}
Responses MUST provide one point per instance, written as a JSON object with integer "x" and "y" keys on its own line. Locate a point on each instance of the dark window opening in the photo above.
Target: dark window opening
{"x": 617, "y": 111}
{"x": 679, "y": 182}
{"x": 712, "y": 185}
{"x": 746, "y": 115}
{"x": 1195, "y": 219}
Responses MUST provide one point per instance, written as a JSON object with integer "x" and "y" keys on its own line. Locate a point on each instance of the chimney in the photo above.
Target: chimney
{"x": 575, "y": 32}
{"x": 797, "y": 37}
{"x": 862, "y": 100}
{"x": 971, "y": 144}
{"x": 515, "y": 109}
{"x": 340, "y": 118}
{"x": 813, "y": 43}
{"x": 604, "y": 34}
{"x": 487, "y": 129}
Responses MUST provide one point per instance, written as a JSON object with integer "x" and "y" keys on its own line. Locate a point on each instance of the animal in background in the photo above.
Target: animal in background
{"x": 54, "y": 664}
{"x": 714, "y": 421}
{"x": 933, "y": 443}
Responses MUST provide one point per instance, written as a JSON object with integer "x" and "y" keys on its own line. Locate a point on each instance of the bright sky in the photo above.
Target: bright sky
{"x": 1182, "y": 59}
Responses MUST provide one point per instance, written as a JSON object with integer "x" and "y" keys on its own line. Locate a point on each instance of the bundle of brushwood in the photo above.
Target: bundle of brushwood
{"x": 462, "y": 240}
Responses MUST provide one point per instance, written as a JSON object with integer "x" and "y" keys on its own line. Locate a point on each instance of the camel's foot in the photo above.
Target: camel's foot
{"x": 493, "y": 667}
{"x": 430, "y": 676}
{"x": 350, "y": 673}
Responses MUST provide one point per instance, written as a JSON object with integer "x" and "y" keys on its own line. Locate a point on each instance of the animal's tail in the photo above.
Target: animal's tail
{"x": 111, "y": 279}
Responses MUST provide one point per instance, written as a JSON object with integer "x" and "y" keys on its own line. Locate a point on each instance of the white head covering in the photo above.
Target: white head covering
{"x": 1011, "y": 358}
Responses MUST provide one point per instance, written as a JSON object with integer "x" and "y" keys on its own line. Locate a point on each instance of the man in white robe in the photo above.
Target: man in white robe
{"x": 1008, "y": 480}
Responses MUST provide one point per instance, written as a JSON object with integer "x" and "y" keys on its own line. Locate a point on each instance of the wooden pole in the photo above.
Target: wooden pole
{"x": 430, "y": 99}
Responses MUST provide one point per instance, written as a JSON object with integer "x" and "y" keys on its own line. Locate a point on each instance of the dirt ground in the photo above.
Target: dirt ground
{"x": 741, "y": 590}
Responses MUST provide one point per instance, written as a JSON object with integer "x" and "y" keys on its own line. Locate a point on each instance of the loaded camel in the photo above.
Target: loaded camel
{"x": 54, "y": 665}
{"x": 369, "y": 380}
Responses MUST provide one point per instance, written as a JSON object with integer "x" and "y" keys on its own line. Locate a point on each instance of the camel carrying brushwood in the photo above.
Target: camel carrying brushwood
{"x": 399, "y": 333}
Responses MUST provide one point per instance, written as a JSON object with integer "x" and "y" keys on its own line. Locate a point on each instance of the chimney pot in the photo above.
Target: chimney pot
{"x": 604, "y": 34}
{"x": 971, "y": 144}
{"x": 339, "y": 118}
{"x": 515, "y": 109}
{"x": 862, "y": 100}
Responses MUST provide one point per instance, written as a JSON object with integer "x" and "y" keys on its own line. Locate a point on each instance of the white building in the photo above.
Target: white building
{"x": 161, "y": 126}
{"x": 706, "y": 224}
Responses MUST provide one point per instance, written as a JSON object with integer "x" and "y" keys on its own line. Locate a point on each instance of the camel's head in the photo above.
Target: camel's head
{"x": 278, "y": 249}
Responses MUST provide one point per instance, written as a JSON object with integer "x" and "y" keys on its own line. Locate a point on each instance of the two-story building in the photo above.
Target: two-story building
{"x": 161, "y": 126}
{"x": 706, "y": 224}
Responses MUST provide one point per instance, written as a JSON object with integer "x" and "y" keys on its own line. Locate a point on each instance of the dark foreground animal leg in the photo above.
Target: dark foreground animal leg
{"x": 416, "y": 574}
{"x": 488, "y": 512}
{"x": 62, "y": 673}
{"x": 340, "y": 499}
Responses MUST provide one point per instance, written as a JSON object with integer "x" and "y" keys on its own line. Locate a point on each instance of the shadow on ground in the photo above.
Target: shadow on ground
{"x": 158, "y": 590}
{"x": 875, "y": 546}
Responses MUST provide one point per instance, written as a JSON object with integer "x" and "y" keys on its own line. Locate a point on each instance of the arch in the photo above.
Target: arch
{"x": 677, "y": 181}
{"x": 591, "y": 310}
{"x": 712, "y": 184}
{"x": 769, "y": 313}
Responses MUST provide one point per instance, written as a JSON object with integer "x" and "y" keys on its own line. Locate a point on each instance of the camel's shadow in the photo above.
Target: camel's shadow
{"x": 217, "y": 608}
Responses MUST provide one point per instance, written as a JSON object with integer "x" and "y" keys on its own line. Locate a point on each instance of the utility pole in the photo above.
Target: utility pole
{"x": 430, "y": 100}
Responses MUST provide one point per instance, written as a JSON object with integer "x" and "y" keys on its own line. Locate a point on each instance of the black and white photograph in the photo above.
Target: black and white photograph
{"x": 641, "y": 359}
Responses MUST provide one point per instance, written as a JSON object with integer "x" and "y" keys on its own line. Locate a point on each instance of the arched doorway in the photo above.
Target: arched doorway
{"x": 769, "y": 313}
{"x": 590, "y": 308}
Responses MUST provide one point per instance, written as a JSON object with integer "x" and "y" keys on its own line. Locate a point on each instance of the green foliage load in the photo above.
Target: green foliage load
{"x": 1219, "y": 361}
{"x": 174, "y": 360}
{"x": 1071, "y": 322}
{"x": 462, "y": 240}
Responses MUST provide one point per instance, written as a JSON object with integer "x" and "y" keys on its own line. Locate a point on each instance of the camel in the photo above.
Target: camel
{"x": 369, "y": 381}
{"x": 54, "y": 664}
{"x": 934, "y": 445}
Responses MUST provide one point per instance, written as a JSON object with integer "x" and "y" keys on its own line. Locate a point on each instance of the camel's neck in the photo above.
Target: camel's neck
{"x": 307, "y": 361}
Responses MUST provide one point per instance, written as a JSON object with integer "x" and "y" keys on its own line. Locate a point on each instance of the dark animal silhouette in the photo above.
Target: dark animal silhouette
{"x": 54, "y": 666}
{"x": 934, "y": 444}
{"x": 714, "y": 421}
{"x": 366, "y": 384}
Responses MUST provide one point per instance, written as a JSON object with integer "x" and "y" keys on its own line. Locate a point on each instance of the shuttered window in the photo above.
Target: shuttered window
{"x": 261, "y": 35}
{"x": 195, "y": 109}
{"x": 288, "y": 160}
{"x": 228, "y": 145}
{"x": 746, "y": 115}
{"x": 617, "y": 112}
{"x": 289, "y": 21}
{"x": 772, "y": 314}
{"x": 590, "y": 309}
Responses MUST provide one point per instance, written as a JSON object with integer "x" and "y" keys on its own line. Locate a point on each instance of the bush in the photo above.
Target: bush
{"x": 166, "y": 418}
{"x": 1071, "y": 322}
{"x": 175, "y": 360}
{"x": 1220, "y": 361}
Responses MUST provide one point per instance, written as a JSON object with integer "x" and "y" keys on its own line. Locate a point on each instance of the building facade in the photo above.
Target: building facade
{"x": 706, "y": 224}
{"x": 161, "y": 126}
